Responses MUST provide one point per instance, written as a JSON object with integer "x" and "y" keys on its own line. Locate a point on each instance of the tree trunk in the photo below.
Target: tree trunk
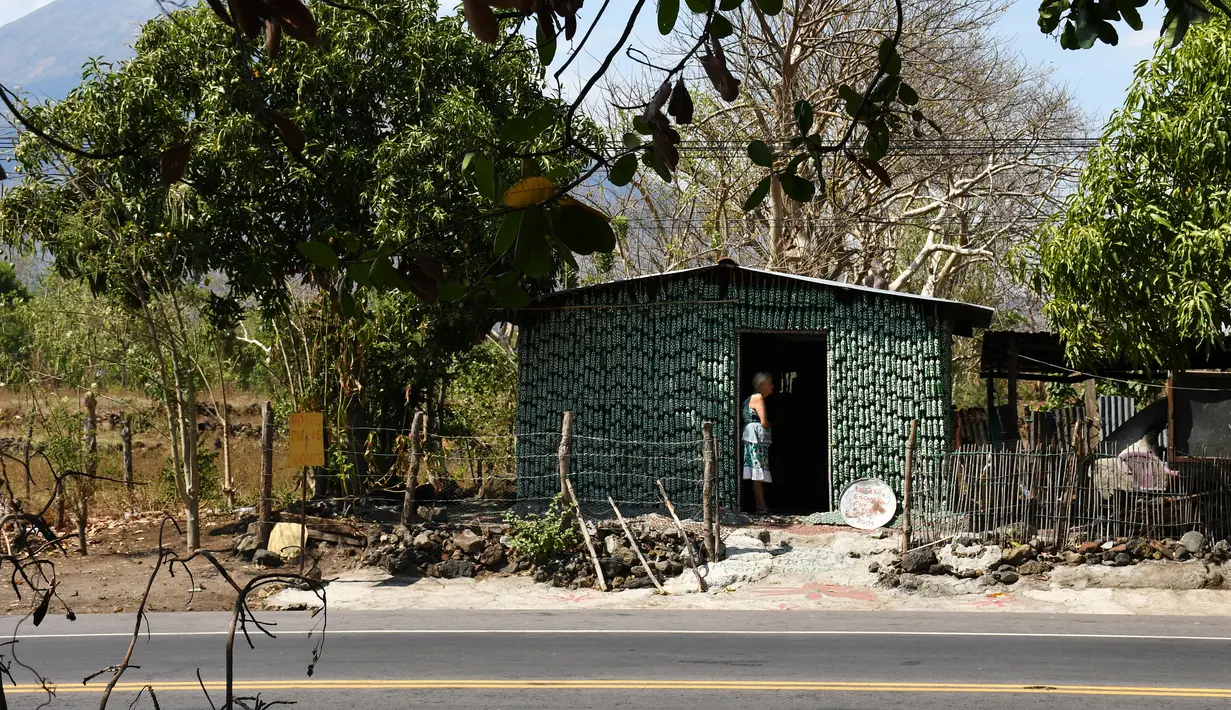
{"x": 267, "y": 471}
{"x": 356, "y": 422}
{"x": 228, "y": 483}
{"x": 193, "y": 487}
{"x": 85, "y": 486}
{"x": 126, "y": 443}
{"x": 25, "y": 454}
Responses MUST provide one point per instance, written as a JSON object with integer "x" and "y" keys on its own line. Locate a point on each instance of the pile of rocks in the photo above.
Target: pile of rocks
{"x": 982, "y": 559}
{"x": 453, "y": 551}
{"x": 665, "y": 551}
{"x": 440, "y": 550}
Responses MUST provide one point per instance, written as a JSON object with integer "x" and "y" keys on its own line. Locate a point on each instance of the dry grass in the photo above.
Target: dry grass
{"x": 151, "y": 452}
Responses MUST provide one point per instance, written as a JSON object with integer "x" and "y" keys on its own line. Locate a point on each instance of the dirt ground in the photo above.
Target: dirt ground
{"x": 112, "y": 578}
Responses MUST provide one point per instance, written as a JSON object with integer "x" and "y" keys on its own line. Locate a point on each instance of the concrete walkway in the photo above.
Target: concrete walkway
{"x": 794, "y": 572}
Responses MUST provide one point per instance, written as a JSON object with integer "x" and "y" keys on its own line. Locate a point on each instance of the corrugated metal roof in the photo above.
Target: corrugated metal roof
{"x": 965, "y": 315}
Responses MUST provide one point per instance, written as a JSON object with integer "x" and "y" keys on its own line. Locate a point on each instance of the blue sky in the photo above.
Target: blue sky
{"x": 1098, "y": 76}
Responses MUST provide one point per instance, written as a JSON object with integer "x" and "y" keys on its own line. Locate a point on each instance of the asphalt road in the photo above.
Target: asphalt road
{"x": 663, "y": 660}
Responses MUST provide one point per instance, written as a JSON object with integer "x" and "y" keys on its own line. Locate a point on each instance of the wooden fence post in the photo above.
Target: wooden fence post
{"x": 1094, "y": 422}
{"x": 86, "y": 485}
{"x": 906, "y": 484}
{"x": 126, "y": 445}
{"x": 707, "y": 514}
{"x": 412, "y": 470}
{"x": 566, "y": 453}
{"x": 267, "y": 472}
{"x": 585, "y": 535}
{"x": 26, "y": 452}
{"x": 637, "y": 549}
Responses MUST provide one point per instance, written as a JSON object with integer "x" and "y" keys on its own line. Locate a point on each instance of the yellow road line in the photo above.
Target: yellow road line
{"x": 695, "y": 685}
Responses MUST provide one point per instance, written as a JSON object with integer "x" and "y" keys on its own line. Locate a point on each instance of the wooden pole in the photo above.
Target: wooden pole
{"x": 126, "y": 445}
{"x": 1011, "y": 428}
{"x": 906, "y": 484}
{"x": 566, "y": 454}
{"x": 707, "y": 435}
{"x": 1171, "y": 417}
{"x": 692, "y": 554}
{"x": 26, "y": 452}
{"x": 85, "y": 486}
{"x": 1094, "y": 423}
{"x": 585, "y": 534}
{"x": 303, "y": 520}
{"x": 633, "y": 541}
{"x": 267, "y": 472}
{"x": 993, "y": 422}
{"x": 412, "y": 471}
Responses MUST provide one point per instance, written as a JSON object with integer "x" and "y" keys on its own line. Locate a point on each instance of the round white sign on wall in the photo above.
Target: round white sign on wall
{"x": 868, "y": 504}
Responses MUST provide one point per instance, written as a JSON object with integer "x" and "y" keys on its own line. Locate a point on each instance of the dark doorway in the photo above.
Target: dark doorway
{"x": 798, "y": 415}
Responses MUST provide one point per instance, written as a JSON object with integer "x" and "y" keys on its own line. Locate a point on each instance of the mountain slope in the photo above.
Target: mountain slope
{"x": 43, "y": 52}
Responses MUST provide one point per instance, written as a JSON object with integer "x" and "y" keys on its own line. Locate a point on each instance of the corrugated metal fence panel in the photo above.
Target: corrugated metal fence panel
{"x": 1114, "y": 411}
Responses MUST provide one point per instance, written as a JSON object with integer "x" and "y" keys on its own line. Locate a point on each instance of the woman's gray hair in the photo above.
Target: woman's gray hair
{"x": 761, "y": 378}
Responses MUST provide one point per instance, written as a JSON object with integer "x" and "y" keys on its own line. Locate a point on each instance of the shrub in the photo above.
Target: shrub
{"x": 542, "y": 537}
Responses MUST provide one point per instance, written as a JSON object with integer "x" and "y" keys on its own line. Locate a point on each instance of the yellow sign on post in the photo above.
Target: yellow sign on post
{"x": 307, "y": 439}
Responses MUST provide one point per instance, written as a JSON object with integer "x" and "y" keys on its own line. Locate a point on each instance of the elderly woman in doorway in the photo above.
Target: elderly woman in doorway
{"x": 757, "y": 438}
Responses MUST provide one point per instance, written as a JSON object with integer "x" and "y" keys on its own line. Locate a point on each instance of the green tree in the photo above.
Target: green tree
{"x": 1138, "y": 266}
{"x": 366, "y": 202}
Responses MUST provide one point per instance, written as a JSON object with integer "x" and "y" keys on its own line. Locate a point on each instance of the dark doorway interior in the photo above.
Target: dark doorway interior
{"x": 798, "y": 414}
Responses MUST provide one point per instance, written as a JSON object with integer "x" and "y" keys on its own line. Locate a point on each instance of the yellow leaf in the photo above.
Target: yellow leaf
{"x": 530, "y": 191}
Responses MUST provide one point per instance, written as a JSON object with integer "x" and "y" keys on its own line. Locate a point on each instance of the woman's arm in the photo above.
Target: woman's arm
{"x": 758, "y": 405}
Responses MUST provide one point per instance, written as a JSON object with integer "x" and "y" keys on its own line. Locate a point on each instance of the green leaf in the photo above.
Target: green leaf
{"x": 360, "y": 273}
{"x": 797, "y": 188}
{"x": 851, "y": 97}
{"x": 319, "y": 254}
{"x": 699, "y": 7}
{"x": 640, "y": 126}
{"x": 729, "y": 5}
{"x": 804, "y": 116}
{"x": 509, "y": 294}
{"x": 507, "y": 234}
{"x": 546, "y": 46}
{"x": 793, "y": 166}
{"x": 519, "y": 129}
{"x": 651, "y": 160}
{"x": 384, "y": 276}
{"x": 668, "y": 12}
{"x": 485, "y": 177}
{"x": 346, "y": 305}
{"x": 758, "y": 194}
{"x": 451, "y": 292}
{"x": 632, "y": 140}
{"x": 1106, "y": 32}
{"x": 889, "y": 57}
{"x": 1128, "y": 10}
{"x": 466, "y": 161}
{"x": 720, "y": 27}
{"x": 623, "y": 171}
{"x": 1050, "y": 14}
{"x": 876, "y": 145}
{"x": 1068, "y": 38}
{"x": 770, "y": 7}
{"x": 907, "y": 95}
{"x": 760, "y": 154}
{"x": 583, "y": 230}
{"x": 533, "y": 252}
